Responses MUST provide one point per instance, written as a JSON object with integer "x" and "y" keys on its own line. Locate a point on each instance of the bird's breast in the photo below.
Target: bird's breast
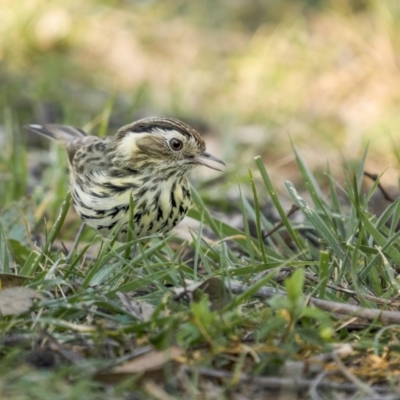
{"x": 158, "y": 205}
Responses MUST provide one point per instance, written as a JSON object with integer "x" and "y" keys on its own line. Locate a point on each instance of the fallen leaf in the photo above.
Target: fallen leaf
{"x": 11, "y": 280}
{"x": 17, "y": 300}
{"x": 218, "y": 294}
{"x": 151, "y": 365}
{"x": 139, "y": 309}
{"x": 156, "y": 391}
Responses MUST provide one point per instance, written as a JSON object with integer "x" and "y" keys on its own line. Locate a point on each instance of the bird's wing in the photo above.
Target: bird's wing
{"x": 89, "y": 155}
{"x": 85, "y": 152}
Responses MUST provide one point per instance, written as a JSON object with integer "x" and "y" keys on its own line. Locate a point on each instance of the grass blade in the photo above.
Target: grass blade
{"x": 272, "y": 192}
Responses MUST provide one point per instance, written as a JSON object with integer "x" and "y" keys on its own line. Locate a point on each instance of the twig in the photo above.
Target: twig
{"x": 352, "y": 378}
{"x": 280, "y": 224}
{"x": 313, "y": 388}
{"x": 136, "y": 353}
{"x": 69, "y": 355}
{"x": 274, "y": 382}
{"x": 354, "y": 293}
{"x": 389, "y": 317}
{"x": 375, "y": 177}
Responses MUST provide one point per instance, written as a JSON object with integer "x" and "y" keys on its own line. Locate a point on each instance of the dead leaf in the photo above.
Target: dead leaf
{"x": 17, "y": 300}
{"x": 218, "y": 294}
{"x": 11, "y": 280}
{"x": 156, "y": 391}
{"x": 139, "y": 309}
{"x": 152, "y": 365}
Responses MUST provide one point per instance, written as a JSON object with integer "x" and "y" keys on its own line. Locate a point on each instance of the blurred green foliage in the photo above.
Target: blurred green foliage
{"x": 324, "y": 72}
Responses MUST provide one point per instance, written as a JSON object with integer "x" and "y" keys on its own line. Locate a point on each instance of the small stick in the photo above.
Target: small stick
{"x": 388, "y": 317}
{"x": 353, "y": 293}
{"x": 280, "y": 224}
{"x": 375, "y": 177}
{"x": 274, "y": 382}
{"x": 352, "y": 378}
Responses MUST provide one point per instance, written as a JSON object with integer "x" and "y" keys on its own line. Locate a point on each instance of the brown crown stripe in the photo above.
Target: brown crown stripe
{"x": 166, "y": 124}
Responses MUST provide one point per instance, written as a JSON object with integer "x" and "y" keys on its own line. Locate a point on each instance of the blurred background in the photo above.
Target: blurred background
{"x": 251, "y": 75}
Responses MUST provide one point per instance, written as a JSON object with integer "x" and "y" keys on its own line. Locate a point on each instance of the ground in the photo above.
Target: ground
{"x": 283, "y": 281}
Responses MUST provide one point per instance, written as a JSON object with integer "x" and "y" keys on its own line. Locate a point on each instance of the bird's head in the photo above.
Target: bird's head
{"x": 163, "y": 143}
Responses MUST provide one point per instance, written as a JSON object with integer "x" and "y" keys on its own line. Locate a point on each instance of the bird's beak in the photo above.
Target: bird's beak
{"x": 205, "y": 158}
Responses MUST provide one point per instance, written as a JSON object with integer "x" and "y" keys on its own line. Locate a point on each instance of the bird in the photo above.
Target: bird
{"x": 146, "y": 163}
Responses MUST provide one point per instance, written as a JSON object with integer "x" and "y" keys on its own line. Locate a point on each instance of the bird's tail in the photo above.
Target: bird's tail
{"x": 60, "y": 133}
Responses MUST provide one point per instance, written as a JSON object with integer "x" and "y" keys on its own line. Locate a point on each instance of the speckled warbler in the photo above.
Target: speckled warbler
{"x": 148, "y": 159}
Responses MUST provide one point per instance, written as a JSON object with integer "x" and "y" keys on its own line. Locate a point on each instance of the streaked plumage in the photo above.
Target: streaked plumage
{"x": 148, "y": 159}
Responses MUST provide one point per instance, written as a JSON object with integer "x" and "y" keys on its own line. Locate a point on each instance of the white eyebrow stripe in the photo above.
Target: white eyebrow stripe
{"x": 169, "y": 133}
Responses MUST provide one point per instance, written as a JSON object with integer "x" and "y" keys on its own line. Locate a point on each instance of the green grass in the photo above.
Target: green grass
{"x": 70, "y": 342}
{"x": 266, "y": 299}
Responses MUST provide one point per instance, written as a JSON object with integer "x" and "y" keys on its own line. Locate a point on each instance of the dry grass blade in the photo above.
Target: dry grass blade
{"x": 151, "y": 365}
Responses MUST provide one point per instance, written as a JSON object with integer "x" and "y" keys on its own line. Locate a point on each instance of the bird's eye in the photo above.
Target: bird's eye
{"x": 175, "y": 144}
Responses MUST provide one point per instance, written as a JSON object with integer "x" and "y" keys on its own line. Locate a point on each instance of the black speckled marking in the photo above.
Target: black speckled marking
{"x": 85, "y": 216}
{"x": 156, "y": 199}
{"x": 185, "y": 192}
{"x": 114, "y": 211}
{"x": 116, "y": 188}
{"x": 98, "y": 195}
{"x": 173, "y": 202}
{"x": 159, "y": 214}
{"x": 137, "y": 217}
{"x": 108, "y": 227}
